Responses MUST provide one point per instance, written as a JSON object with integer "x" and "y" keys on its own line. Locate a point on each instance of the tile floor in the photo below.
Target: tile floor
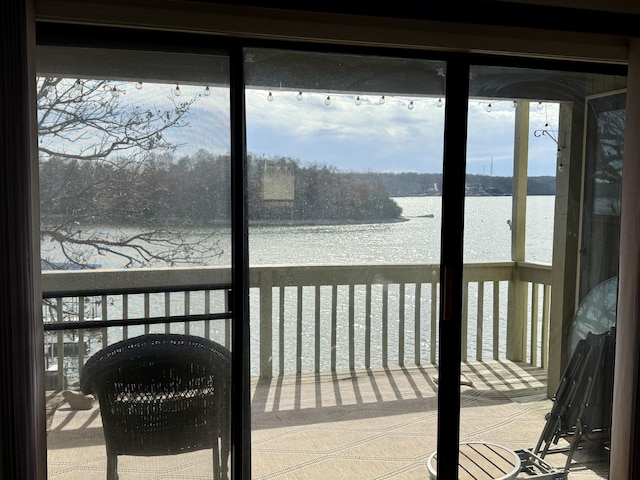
{"x": 376, "y": 424}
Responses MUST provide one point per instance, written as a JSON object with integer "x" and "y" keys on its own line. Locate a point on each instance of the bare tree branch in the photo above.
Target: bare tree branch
{"x": 93, "y": 122}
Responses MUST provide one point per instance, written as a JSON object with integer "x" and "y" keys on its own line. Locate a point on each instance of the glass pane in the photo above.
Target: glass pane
{"x": 136, "y": 247}
{"x": 603, "y": 190}
{"x": 524, "y": 127}
{"x": 345, "y": 170}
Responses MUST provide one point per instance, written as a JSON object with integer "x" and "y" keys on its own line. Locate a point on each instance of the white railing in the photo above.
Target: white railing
{"x": 315, "y": 317}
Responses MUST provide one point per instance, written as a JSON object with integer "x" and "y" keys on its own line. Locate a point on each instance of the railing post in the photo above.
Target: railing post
{"x": 565, "y": 241}
{"x": 265, "y": 282}
{"x": 464, "y": 345}
{"x": 60, "y": 341}
{"x": 534, "y": 324}
{"x": 516, "y": 318}
{"x": 480, "y": 322}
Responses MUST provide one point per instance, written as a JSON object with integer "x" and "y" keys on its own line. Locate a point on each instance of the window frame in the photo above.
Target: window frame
{"x": 454, "y": 157}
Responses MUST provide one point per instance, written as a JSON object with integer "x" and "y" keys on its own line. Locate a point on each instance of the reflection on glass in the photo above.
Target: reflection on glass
{"x": 520, "y": 149}
{"x": 130, "y": 175}
{"x": 603, "y": 190}
{"x": 345, "y": 177}
{"x": 134, "y": 156}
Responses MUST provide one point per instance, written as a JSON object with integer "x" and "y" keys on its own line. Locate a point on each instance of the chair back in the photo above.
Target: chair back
{"x": 161, "y": 394}
{"x": 583, "y": 400}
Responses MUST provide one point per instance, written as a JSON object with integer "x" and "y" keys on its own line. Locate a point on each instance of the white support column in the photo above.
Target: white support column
{"x": 565, "y": 239}
{"x": 517, "y": 312}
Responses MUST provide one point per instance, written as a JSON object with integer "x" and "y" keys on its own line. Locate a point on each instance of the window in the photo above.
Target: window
{"x": 358, "y": 170}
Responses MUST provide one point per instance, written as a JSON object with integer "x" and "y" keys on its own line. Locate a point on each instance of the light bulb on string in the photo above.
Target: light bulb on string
{"x": 270, "y": 97}
{"x": 77, "y": 85}
{"x": 411, "y": 105}
{"x": 327, "y": 101}
{"x": 514, "y": 104}
{"x": 176, "y": 91}
{"x": 207, "y": 91}
{"x": 439, "y": 103}
{"x": 540, "y": 105}
{"x": 138, "y": 85}
{"x": 382, "y": 100}
{"x": 489, "y": 108}
{"x": 299, "y": 96}
{"x": 358, "y": 101}
{"x": 114, "y": 91}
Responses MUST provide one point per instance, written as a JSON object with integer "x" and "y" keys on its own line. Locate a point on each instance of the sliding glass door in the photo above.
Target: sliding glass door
{"x": 345, "y": 180}
{"x": 409, "y": 287}
{"x": 525, "y": 146}
{"x": 137, "y": 247}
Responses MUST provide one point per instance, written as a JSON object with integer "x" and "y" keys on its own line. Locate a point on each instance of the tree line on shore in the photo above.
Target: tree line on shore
{"x": 405, "y": 184}
{"x": 196, "y": 190}
{"x": 165, "y": 197}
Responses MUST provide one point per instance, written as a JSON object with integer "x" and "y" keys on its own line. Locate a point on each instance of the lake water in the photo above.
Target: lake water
{"x": 415, "y": 240}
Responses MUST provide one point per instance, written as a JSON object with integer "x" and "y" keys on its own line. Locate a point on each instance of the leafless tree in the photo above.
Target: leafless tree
{"x": 94, "y": 121}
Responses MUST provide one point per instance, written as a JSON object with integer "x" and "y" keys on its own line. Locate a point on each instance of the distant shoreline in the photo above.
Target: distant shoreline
{"x": 320, "y": 222}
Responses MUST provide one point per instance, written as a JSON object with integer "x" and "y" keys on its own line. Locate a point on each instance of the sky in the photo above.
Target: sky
{"x": 391, "y": 137}
{"x": 369, "y": 136}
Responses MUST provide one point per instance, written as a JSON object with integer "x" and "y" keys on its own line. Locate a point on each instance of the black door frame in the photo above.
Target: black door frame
{"x": 453, "y": 196}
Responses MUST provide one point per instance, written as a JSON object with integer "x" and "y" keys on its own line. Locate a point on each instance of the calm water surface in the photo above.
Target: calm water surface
{"x": 416, "y": 240}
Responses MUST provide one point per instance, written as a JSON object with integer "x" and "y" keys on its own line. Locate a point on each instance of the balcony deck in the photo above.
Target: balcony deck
{"x": 362, "y": 424}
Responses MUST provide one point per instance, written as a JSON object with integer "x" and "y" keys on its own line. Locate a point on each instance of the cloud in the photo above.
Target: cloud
{"x": 365, "y": 137}
{"x": 369, "y": 136}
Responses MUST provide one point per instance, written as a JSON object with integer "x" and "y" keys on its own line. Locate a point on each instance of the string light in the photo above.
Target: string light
{"x": 138, "y": 85}
{"x": 514, "y": 104}
{"x": 77, "y": 85}
{"x": 540, "y": 106}
{"x": 359, "y": 100}
{"x": 207, "y": 91}
{"x": 489, "y": 108}
{"x": 177, "y": 91}
{"x": 114, "y": 91}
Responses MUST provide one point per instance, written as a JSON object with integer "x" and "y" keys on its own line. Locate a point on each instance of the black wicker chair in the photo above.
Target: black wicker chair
{"x": 162, "y": 394}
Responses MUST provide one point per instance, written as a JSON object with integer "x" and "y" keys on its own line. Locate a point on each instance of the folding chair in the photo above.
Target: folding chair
{"x": 581, "y": 412}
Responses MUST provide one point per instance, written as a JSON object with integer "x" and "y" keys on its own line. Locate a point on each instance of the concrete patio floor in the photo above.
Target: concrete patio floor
{"x": 365, "y": 424}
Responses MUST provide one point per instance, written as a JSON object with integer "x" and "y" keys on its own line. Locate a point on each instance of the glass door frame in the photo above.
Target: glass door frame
{"x": 596, "y": 105}
{"x": 453, "y": 198}
{"x": 451, "y": 264}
